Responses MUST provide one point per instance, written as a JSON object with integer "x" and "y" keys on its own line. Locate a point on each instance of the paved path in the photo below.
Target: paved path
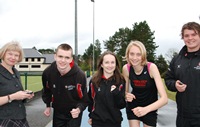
{"x": 35, "y": 117}
{"x": 34, "y": 110}
{"x": 166, "y": 116}
{"x": 85, "y": 120}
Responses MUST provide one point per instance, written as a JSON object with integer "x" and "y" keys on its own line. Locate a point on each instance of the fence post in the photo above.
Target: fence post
{"x": 25, "y": 74}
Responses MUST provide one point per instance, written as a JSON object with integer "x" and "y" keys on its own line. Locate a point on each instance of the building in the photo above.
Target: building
{"x": 34, "y": 61}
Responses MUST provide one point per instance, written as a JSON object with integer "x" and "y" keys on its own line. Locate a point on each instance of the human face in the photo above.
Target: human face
{"x": 63, "y": 58}
{"x": 135, "y": 56}
{"x": 11, "y": 58}
{"x": 108, "y": 65}
{"x": 192, "y": 40}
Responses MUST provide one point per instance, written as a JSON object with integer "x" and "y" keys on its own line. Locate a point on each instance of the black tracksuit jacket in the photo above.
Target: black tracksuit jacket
{"x": 64, "y": 92}
{"x": 104, "y": 107}
{"x": 187, "y": 70}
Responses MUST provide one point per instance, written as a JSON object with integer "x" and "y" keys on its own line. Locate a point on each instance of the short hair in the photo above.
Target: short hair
{"x": 190, "y": 26}
{"x": 142, "y": 48}
{"x": 12, "y": 46}
{"x": 65, "y": 47}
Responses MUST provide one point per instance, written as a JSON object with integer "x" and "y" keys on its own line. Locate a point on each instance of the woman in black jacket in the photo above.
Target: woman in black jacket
{"x": 106, "y": 93}
{"x": 12, "y": 95}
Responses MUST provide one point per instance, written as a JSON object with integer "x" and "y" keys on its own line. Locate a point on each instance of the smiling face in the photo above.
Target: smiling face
{"x": 136, "y": 53}
{"x": 63, "y": 59}
{"x": 135, "y": 56}
{"x": 191, "y": 39}
{"x": 11, "y": 57}
{"x": 108, "y": 65}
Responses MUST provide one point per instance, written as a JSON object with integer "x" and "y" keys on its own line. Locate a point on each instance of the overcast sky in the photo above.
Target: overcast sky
{"x": 48, "y": 23}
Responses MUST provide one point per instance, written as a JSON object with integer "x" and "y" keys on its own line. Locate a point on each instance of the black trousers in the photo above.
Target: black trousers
{"x": 187, "y": 122}
{"x": 64, "y": 119}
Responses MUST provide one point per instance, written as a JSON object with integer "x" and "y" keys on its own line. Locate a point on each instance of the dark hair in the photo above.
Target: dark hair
{"x": 190, "y": 26}
{"x": 96, "y": 79}
{"x": 65, "y": 47}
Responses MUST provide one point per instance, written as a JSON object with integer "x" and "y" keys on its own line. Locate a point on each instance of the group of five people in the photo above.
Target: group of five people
{"x": 136, "y": 88}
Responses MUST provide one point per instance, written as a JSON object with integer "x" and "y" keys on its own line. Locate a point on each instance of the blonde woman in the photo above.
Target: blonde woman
{"x": 146, "y": 83}
{"x": 12, "y": 109}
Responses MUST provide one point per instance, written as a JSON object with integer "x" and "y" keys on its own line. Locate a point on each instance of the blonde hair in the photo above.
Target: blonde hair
{"x": 142, "y": 48}
{"x": 12, "y": 46}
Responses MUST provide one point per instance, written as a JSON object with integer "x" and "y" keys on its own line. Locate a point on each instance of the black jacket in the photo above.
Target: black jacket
{"x": 10, "y": 84}
{"x": 64, "y": 92}
{"x": 187, "y": 70}
{"x": 105, "y": 105}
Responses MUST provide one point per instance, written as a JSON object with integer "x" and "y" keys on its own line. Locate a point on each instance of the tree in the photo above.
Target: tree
{"x": 120, "y": 40}
{"x": 88, "y": 55}
{"x": 47, "y": 51}
{"x": 161, "y": 64}
{"x": 170, "y": 54}
{"x": 97, "y": 52}
{"x": 118, "y": 43}
{"x": 143, "y": 33}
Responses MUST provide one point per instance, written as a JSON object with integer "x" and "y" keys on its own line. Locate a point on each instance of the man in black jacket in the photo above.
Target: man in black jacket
{"x": 64, "y": 88}
{"x": 183, "y": 77}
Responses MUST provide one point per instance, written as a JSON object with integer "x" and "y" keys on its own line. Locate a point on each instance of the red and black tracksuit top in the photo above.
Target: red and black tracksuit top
{"x": 104, "y": 107}
{"x": 64, "y": 92}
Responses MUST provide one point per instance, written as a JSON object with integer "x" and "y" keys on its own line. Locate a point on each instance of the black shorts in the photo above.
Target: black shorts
{"x": 149, "y": 119}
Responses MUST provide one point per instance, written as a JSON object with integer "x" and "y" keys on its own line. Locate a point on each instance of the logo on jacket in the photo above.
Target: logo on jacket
{"x": 197, "y": 67}
{"x": 99, "y": 89}
{"x": 70, "y": 87}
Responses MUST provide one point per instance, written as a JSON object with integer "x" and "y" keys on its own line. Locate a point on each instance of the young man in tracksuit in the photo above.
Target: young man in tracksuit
{"x": 64, "y": 88}
{"x": 183, "y": 77}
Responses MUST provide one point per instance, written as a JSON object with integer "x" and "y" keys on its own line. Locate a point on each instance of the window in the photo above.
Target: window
{"x": 23, "y": 66}
{"x": 32, "y": 59}
{"x": 35, "y": 66}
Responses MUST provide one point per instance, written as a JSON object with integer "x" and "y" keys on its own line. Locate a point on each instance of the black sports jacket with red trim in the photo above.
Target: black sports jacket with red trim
{"x": 64, "y": 92}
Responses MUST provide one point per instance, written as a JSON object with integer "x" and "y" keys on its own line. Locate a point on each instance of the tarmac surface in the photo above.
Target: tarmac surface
{"x": 36, "y": 118}
{"x": 34, "y": 111}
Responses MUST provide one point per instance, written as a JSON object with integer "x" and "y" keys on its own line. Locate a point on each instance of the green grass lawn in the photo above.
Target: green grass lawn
{"x": 34, "y": 83}
{"x": 171, "y": 95}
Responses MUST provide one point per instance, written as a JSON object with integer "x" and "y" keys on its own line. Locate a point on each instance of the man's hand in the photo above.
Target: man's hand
{"x": 180, "y": 86}
{"x": 75, "y": 112}
{"x": 47, "y": 111}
